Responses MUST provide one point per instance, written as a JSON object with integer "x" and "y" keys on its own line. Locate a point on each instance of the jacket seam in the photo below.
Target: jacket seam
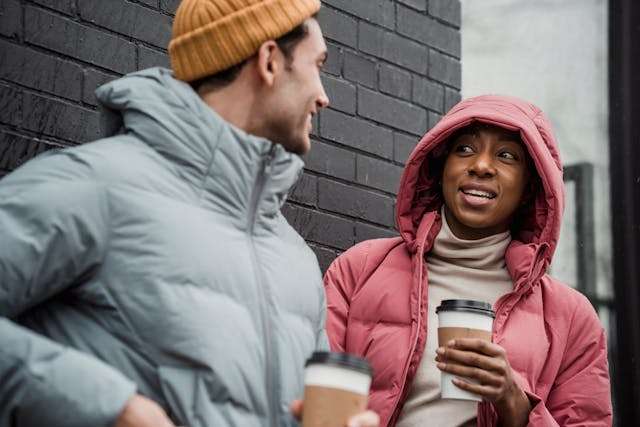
{"x": 364, "y": 264}
{"x": 209, "y": 166}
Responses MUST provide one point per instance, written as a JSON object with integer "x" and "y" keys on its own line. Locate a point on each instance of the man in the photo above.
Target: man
{"x": 149, "y": 278}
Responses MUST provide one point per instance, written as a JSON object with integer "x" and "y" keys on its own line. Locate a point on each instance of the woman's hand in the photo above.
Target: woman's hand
{"x": 487, "y": 364}
{"x": 363, "y": 419}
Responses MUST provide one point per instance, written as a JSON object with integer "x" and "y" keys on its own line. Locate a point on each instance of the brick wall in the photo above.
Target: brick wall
{"x": 393, "y": 70}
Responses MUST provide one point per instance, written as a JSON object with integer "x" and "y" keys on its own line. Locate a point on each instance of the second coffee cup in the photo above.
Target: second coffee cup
{"x": 462, "y": 319}
{"x": 336, "y": 388}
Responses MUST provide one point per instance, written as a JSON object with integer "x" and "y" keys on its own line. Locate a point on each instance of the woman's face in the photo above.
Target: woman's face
{"x": 484, "y": 178}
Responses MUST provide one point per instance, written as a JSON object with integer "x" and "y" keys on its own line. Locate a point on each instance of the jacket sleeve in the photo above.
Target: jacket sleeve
{"x": 52, "y": 233}
{"x": 581, "y": 394}
{"x": 340, "y": 281}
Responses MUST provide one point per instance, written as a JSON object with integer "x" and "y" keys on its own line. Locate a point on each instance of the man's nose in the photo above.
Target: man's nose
{"x": 323, "y": 99}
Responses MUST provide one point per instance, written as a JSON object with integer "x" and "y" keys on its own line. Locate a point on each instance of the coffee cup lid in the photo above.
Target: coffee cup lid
{"x": 342, "y": 360}
{"x": 479, "y": 307}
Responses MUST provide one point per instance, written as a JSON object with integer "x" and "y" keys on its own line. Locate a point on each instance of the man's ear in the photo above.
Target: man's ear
{"x": 269, "y": 62}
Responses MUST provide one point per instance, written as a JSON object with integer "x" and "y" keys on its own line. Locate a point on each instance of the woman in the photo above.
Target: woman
{"x": 479, "y": 212}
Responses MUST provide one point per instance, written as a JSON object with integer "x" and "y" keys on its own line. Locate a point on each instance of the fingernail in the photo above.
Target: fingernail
{"x": 440, "y": 351}
{"x": 441, "y": 365}
{"x": 451, "y": 343}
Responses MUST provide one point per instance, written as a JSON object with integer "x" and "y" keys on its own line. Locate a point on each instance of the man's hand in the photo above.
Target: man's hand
{"x": 487, "y": 364}
{"x": 363, "y": 419}
{"x": 142, "y": 412}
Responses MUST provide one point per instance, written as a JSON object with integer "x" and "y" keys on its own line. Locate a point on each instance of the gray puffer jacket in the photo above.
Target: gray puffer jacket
{"x": 156, "y": 260}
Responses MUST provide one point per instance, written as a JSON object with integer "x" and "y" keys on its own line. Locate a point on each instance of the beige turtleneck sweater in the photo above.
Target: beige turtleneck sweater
{"x": 457, "y": 269}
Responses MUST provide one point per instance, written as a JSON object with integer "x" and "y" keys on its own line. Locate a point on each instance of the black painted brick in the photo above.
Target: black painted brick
{"x": 348, "y": 200}
{"x": 10, "y": 105}
{"x": 64, "y": 6}
{"x": 305, "y": 191}
{"x": 330, "y": 160}
{"x": 92, "y": 80}
{"x": 338, "y": 26}
{"x": 381, "y": 12}
{"x": 342, "y": 94}
{"x": 434, "y": 118}
{"x": 16, "y": 149}
{"x": 451, "y": 98}
{"x": 333, "y": 65}
{"x": 368, "y": 231}
{"x": 325, "y": 256}
{"x": 10, "y": 18}
{"x": 390, "y": 111}
{"x": 87, "y": 44}
{"x": 169, "y": 6}
{"x": 356, "y": 133}
{"x": 129, "y": 19}
{"x": 38, "y": 71}
{"x": 404, "y": 145}
{"x": 395, "y": 81}
{"x": 428, "y": 31}
{"x": 152, "y": 58}
{"x": 447, "y": 10}
{"x": 320, "y": 227}
{"x": 152, "y": 3}
{"x": 420, "y": 5}
{"x": 427, "y": 93}
{"x": 392, "y": 47}
{"x": 378, "y": 174}
{"x": 359, "y": 69}
{"x": 445, "y": 69}
{"x": 59, "y": 119}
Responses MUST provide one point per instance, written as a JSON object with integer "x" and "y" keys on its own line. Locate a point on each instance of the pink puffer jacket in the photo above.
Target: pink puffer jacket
{"x": 377, "y": 291}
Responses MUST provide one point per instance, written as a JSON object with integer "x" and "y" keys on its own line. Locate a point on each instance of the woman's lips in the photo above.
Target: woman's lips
{"x": 476, "y": 198}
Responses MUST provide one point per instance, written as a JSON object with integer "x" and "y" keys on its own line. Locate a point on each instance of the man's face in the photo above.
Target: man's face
{"x": 483, "y": 182}
{"x": 298, "y": 94}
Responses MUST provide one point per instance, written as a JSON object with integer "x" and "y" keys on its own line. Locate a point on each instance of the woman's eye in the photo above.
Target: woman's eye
{"x": 463, "y": 148}
{"x": 507, "y": 155}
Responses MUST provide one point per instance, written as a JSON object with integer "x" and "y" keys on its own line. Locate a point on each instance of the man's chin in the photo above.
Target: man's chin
{"x": 299, "y": 146}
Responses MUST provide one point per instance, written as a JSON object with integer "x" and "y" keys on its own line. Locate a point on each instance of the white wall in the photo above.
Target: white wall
{"x": 554, "y": 54}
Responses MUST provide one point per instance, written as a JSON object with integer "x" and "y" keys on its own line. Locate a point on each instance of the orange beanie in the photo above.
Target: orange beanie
{"x": 212, "y": 35}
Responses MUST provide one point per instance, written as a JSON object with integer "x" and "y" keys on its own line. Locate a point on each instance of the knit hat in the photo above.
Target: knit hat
{"x": 213, "y": 35}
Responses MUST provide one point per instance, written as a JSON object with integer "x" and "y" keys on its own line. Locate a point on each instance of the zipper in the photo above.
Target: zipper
{"x": 261, "y": 180}
{"x": 517, "y": 292}
{"x": 423, "y": 275}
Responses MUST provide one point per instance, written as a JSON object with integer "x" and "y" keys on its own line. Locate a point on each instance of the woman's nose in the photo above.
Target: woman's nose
{"x": 482, "y": 165}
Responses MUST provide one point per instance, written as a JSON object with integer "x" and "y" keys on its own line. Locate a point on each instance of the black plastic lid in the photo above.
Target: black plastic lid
{"x": 479, "y": 307}
{"x": 342, "y": 360}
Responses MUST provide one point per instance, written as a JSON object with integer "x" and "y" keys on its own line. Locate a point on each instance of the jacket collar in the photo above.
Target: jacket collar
{"x": 526, "y": 262}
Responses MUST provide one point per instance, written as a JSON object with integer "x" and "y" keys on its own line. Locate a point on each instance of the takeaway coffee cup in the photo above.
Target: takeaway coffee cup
{"x": 462, "y": 319}
{"x": 336, "y": 388}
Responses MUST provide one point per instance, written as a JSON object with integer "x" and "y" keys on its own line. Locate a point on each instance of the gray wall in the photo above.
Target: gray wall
{"x": 393, "y": 70}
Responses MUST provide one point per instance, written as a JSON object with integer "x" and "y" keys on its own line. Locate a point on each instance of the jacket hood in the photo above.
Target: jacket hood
{"x": 207, "y": 151}
{"x": 163, "y": 112}
{"x": 419, "y": 194}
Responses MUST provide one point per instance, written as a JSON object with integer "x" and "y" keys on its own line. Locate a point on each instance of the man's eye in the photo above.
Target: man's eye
{"x": 507, "y": 155}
